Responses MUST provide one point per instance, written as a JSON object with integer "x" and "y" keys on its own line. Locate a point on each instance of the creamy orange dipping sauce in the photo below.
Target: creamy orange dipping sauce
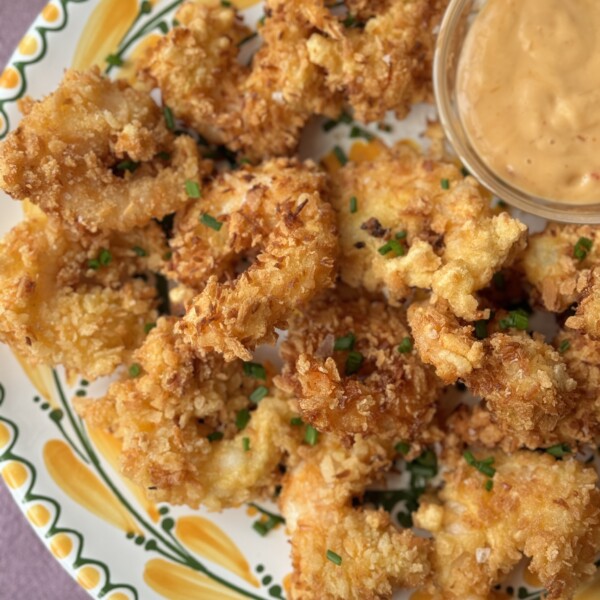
{"x": 528, "y": 92}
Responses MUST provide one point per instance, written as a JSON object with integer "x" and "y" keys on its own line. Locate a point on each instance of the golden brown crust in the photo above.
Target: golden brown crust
{"x": 392, "y": 393}
{"x": 65, "y": 152}
{"x": 295, "y": 259}
{"x": 454, "y": 244}
{"x": 545, "y": 509}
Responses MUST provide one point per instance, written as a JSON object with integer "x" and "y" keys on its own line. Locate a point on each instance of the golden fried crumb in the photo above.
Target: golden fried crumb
{"x": 65, "y": 156}
{"x": 449, "y": 241}
{"x": 296, "y": 245}
{"x": 316, "y": 501}
{"x": 391, "y": 393}
{"x": 56, "y": 309}
{"x": 165, "y": 415}
{"x": 587, "y": 316}
{"x": 545, "y": 509}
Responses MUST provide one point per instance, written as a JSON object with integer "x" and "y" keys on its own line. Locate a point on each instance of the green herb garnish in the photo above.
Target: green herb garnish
{"x": 215, "y": 436}
{"x": 445, "y": 183}
{"x": 518, "y": 319}
{"x": 148, "y": 327}
{"x": 134, "y": 370}
{"x": 582, "y": 248}
{"x": 169, "y": 119}
{"x": 258, "y": 394}
{"x": 345, "y": 343}
{"x": 192, "y": 189}
{"x": 246, "y": 444}
{"x": 336, "y": 559}
{"x": 114, "y": 60}
{"x": 481, "y": 329}
{"x": 559, "y": 450}
{"x": 242, "y": 418}
{"x": 564, "y": 346}
{"x": 392, "y": 246}
{"x": 483, "y": 466}
{"x": 340, "y": 155}
{"x": 139, "y": 251}
{"x": 353, "y": 204}
{"x": 311, "y": 435}
{"x": 359, "y": 132}
{"x": 211, "y": 222}
{"x": 353, "y": 362}
{"x": 256, "y": 370}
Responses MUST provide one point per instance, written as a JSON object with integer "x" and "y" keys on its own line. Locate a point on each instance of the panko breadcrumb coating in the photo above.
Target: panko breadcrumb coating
{"x": 539, "y": 507}
{"x": 391, "y": 392}
{"x": 258, "y": 110}
{"x": 98, "y": 154}
{"x": 385, "y": 65}
{"x": 523, "y": 380}
{"x": 587, "y": 315}
{"x": 292, "y": 230}
{"x": 409, "y": 231}
{"x": 76, "y": 301}
{"x": 375, "y": 556}
{"x": 165, "y": 415}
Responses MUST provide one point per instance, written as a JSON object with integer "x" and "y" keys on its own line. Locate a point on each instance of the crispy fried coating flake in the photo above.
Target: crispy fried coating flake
{"x": 545, "y": 509}
{"x": 587, "y": 316}
{"x": 165, "y": 416}
{"x": 88, "y": 154}
{"x": 385, "y": 65}
{"x": 409, "y": 231}
{"x": 258, "y": 110}
{"x": 276, "y": 211}
{"x": 391, "y": 392}
{"x": 523, "y": 380}
{"x": 316, "y": 502}
{"x": 76, "y": 301}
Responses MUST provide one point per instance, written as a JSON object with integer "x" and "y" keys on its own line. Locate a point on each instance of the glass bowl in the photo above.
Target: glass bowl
{"x": 453, "y": 31}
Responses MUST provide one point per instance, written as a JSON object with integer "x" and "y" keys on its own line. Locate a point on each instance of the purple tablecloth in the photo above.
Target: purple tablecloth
{"x": 27, "y": 569}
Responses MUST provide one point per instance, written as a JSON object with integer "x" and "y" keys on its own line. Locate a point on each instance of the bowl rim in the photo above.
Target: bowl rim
{"x": 459, "y": 138}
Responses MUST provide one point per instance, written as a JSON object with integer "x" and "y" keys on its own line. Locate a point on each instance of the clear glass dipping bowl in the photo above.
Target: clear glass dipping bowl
{"x": 454, "y": 28}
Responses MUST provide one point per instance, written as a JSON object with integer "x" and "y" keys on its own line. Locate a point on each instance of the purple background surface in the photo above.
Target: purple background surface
{"x": 27, "y": 569}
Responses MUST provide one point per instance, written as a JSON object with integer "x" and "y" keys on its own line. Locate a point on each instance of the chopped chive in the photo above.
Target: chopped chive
{"x": 139, "y": 251}
{"x": 105, "y": 257}
{"x": 353, "y": 204}
{"x": 84, "y": 382}
{"x": 311, "y": 435}
{"x": 353, "y": 362}
{"x": 483, "y": 466}
{"x": 296, "y": 421}
{"x": 330, "y": 124}
{"x": 146, "y": 7}
{"x": 258, "y": 394}
{"x": 164, "y": 28}
{"x": 340, "y": 155}
{"x": 114, "y": 60}
{"x": 405, "y": 519}
{"x": 401, "y": 235}
{"x": 134, "y": 370}
{"x": 242, "y": 418}
{"x": 350, "y": 21}
{"x": 564, "y": 346}
{"x": 402, "y": 448}
{"x": 392, "y": 246}
{"x": 260, "y": 528}
{"x": 345, "y": 343}
{"x": 445, "y": 183}
{"x": 481, "y": 329}
{"x": 225, "y": 3}
{"x": 163, "y": 156}
{"x": 582, "y": 248}
{"x": 128, "y": 165}
{"x": 263, "y": 527}
{"x": 499, "y": 280}
{"x": 359, "y": 132}
{"x": 465, "y": 172}
{"x": 215, "y": 436}
{"x": 256, "y": 370}
{"x": 247, "y": 39}
{"x": 246, "y": 444}
{"x": 262, "y": 20}
{"x": 211, "y": 222}
{"x": 385, "y": 127}
{"x": 559, "y": 450}
{"x": 80, "y": 393}
{"x": 244, "y": 161}
{"x": 501, "y": 204}
{"x": 518, "y": 319}
{"x": 345, "y": 118}
{"x": 176, "y": 23}
{"x": 167, "y": 255}
{"x": 148, "y": 327}
{"x": 405, "y": 345}
{"x": 192, "y": 189}
{"x": 169, "y": 119}
{"x": 336, "y": 559}
{"x": 93, "y": 264}
{"x": 489, "y": 485}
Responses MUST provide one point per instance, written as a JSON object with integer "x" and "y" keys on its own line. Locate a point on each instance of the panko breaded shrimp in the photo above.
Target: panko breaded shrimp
{"x": 385, "y": 65}
{"x": 340, "y": 552}
{"x": 545, "y": 509}
{"x": 278, "y": 212}
{"x": 97, "y": 154}
{"x": 558, "y": 261}
{"x": 183, "y": 421}
{"x": 419, "y": 223}
{"x": 258, "y": 110}
{"x": 77, "y": 301}
{"x": 524, "y": 381}
{"x": 351, "y": 366}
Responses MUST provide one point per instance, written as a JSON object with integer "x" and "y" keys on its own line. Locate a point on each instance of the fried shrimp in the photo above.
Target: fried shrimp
{"x": 98, "y": 154}
{"x": 277, "y": 212}
{"x": 545, "y": 509}
{"x": 419, "y": 223}
{"x": 351, "y": 366}
{"x": 385, "y": 65}
{"x": 340, "y": 552}
{"x": 523, "y": 380}
{"x": 77, "y": 301}
{"x": 183, "y": 421}
{"x": 258, "y": 110}
{"x": 558, "y": 261}
{"x": 587, "y": 316}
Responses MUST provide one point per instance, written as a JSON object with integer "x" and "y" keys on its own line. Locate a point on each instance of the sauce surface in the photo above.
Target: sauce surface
{"x": 528, "y": 92}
